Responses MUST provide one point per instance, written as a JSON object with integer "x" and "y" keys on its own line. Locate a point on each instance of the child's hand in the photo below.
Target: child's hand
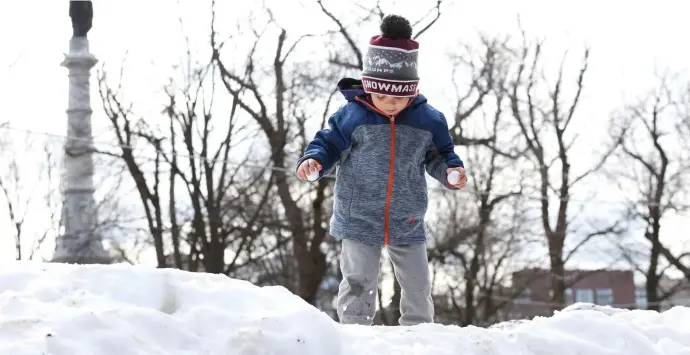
{"x": 309, "y": 170}
{"x": 456, "y": 177}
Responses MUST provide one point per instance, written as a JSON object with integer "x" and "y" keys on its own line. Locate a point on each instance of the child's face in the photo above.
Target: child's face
{"x": 391, "y": 105}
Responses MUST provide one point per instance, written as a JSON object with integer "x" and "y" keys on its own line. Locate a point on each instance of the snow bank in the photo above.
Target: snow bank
{"x": 55, "y": 309}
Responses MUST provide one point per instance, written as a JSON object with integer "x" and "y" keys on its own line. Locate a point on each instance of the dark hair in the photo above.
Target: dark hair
{"x": 396, "y": 27}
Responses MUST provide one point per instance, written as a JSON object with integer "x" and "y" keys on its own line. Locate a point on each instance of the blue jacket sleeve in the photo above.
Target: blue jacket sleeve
{"x": 328, "y": 144}
{"x": 440, "y": 154}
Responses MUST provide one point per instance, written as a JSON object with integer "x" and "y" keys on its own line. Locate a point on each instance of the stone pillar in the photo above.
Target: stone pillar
{"x": 80, "y": 240}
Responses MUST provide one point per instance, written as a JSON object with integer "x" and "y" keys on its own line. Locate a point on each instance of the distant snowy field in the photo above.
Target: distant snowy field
{"x": 54, "y": 309}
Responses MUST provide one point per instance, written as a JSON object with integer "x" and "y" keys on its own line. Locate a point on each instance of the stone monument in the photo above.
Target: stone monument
{"x": 80, "y": 241}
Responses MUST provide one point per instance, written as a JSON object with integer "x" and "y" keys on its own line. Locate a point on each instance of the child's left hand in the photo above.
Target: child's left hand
{"x": 456, "y": 177}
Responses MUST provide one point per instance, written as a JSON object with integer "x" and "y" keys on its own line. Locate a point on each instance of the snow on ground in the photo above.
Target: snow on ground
{"x": 57, "y": 309}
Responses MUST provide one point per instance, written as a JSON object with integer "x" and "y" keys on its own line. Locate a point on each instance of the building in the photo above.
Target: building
{"x": 679, "y": 289}
{"x": 532, "y": 290}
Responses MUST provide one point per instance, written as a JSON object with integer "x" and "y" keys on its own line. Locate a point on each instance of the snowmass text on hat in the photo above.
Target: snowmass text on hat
{"x": 373, "y": 85}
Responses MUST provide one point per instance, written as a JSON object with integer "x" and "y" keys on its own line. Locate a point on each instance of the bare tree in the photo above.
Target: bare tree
{"x": 30, "y": 185}
{"x": 485, "y": 65}
{"x": 19, "y": 189}
{"x": 654, "y": 171}
{"x": 544, "y": 125}
{"x": 226, "y": 202}
{"x": 477, "y": 270}
{"x": 272, "y": 108}
{"x": 216, "y": 186}
{"x": 129, "y": 132}
{"x": 475, "y": 244}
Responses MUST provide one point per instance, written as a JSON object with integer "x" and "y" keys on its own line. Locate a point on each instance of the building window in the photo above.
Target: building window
{"x": 641, "y": 298}
{"x": 584, "y": 295}
{"x": 604, "y": 296}
{"x": 569, "y": 296}
{"x": 526, "y": 294}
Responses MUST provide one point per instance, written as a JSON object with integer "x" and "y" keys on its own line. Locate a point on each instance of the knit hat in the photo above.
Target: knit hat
{"x": 390, "y": 66}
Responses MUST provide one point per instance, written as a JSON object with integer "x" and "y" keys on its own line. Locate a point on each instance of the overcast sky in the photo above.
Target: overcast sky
{"x": 629, "y": 39}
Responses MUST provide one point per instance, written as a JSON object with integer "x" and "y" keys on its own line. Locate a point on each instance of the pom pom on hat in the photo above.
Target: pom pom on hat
{"x": 396, "y": 27}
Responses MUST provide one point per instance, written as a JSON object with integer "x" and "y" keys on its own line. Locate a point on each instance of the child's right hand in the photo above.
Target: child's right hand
{"x": 306, "y": 169}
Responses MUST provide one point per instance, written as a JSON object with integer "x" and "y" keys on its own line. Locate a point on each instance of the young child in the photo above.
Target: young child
{"x": 384, "y": 139}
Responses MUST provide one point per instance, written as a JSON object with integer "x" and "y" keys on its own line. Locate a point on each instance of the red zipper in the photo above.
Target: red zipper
{"x": 389, "y": 194}
{"x": 391, "y": 171}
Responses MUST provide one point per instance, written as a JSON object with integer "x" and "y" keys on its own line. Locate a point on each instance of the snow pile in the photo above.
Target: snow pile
{"x": 56, "y": 309}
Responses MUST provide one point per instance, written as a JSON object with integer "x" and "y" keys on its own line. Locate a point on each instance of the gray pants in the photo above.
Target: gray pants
{"x": 360, "y": 264}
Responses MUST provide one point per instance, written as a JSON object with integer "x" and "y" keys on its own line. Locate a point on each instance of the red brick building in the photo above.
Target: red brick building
{"x": 602, "y": 287}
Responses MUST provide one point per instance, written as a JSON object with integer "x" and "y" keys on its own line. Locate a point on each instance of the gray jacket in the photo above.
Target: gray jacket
{"x": 380, "y": 190}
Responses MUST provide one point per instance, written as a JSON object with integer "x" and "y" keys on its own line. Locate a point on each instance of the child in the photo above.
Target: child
{"x": 383, "y": 139}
